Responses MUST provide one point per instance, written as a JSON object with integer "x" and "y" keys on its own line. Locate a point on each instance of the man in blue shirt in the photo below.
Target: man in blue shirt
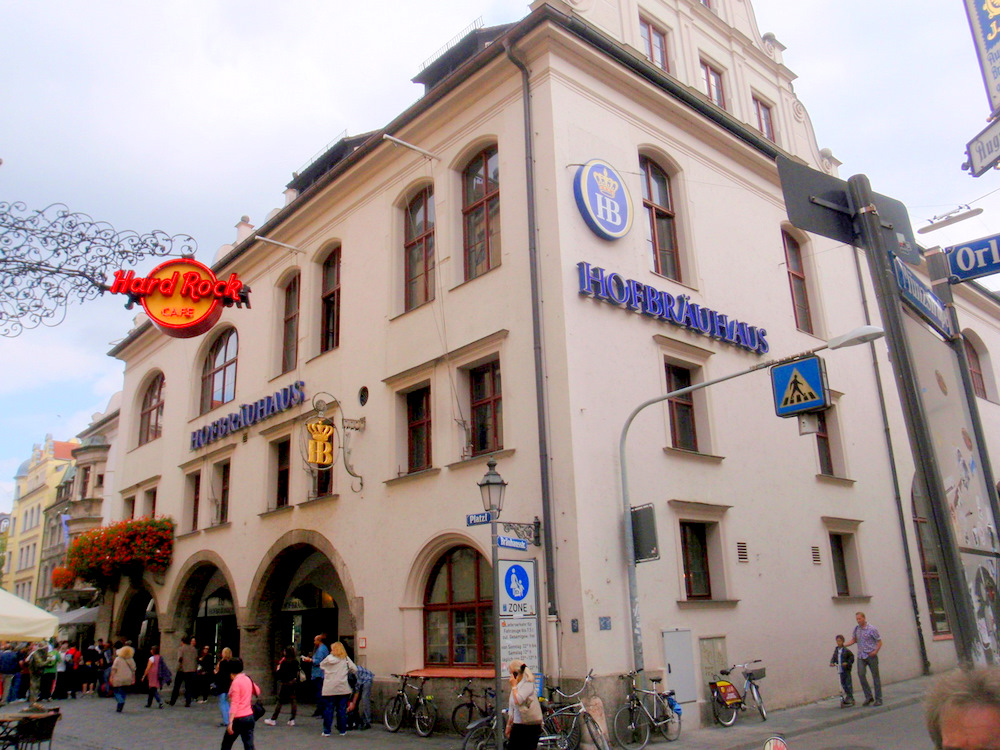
{"x": 364, "y": 689}
{"x": 320, "y": 652}
{"x": 869, "y": 642}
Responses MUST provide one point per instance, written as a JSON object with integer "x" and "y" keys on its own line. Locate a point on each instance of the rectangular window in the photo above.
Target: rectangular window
{"x": 713, "y": 84}
{"x": 765, "y": 122}
{"x": 323, "y": 482}
{"x": 283, "y": 470}
{"x": 418, "y": 429}
{"x": 797, "y": 282}
{"x": 654, "y": 44}
{"x": 150, "y": 503}
{"x": 823, "y": 446}
{"x": 128, "y": 512}
{"x": 222, "y": 508}
{"x": 194, "y": 491}
{"x": 926, "y": 545}
{"x": 839, "y": 562}
{"x": 487, "y": 408}
{"x": 975, "y": 368}
{"x": 290, "y": 326}
{"x": 331, "y": 302}
{"x": 682, "y": 425}
{"x": 84, "y": 482}
{"x": 100, "y": 481}
{"x": 694, "y": 546}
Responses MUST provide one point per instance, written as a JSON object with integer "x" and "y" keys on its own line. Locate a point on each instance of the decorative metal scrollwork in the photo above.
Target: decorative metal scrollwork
{"x": 530, "y": 532}
{"x": 322, "y": 406}
{"x": 51, "y": 257}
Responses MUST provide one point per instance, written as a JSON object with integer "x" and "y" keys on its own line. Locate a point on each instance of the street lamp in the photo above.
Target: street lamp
{"x": 861, "y": 335}
{"x": 493, "y": 488}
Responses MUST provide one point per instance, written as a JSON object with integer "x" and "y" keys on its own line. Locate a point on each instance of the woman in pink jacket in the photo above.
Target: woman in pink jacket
{"x": 241, "y": 721}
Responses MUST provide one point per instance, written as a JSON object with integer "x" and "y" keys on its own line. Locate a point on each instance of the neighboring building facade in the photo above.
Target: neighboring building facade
{"x": 412, "y": 309}
{"x": 4, "y": 533}
{"x": 36, "y": 486}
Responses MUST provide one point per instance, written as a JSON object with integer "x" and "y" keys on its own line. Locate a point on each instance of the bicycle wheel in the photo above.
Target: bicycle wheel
{"x": 565, "y": 728}
{"x": 759, "y": 701}
{"x": 631, "y": 727}
{"x": 462, "y": 716}
{"x": 600, "y": 741}
{"x": 480, "y": 738}
{"x": 670, "y": 727}
{"x": 424, "y": 717}
{"x": 393, "y": 716}
{"x": 724, "y": 713}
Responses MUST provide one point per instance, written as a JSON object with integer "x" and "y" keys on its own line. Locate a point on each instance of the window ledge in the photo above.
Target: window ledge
{"x": 460, "y": 672}
{"x": 944, "y": 637}
{"x": 481, "y": 458}
{"x": 830, "y": 479}
{"x": 673, "y": 280}
{"x": 707, "y": 603}
{"x": 707, "y": 457}
{"x": 412, "y": 309}
{"x": 414, "y": 475}
{"x": 276, "y": 511}
{"x": 217, "y": 526}
{"x": 469, "y": 281}
{"x": 318, "y": 500}
{"x": 852, "y": 598}
{"x": 186, "y": 534}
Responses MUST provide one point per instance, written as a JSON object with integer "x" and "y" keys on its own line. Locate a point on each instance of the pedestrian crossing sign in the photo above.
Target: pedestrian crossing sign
{"x": 800, "y": 386}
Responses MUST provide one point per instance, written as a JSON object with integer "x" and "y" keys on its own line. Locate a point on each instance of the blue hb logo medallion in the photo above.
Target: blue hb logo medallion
{"x": 603, "y": 199}
{"x": 516, "y": 583}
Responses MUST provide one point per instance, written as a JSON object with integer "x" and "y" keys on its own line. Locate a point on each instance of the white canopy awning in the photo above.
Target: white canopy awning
{"x": 81, "y": 616}
{"x": 21, "y": 621}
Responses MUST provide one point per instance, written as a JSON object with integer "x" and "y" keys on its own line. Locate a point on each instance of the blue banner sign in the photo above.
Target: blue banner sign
{"x": 477, "y": 519}
{"x": 603, "y": 199}
{"x": 250, "y": 414}
{"x": 973, "y": 259}
{"x": 511, "y": 542}
{"x": 922, "y": 300}
{"x": 799, "y": 387}
{"x": 638, "y": 297}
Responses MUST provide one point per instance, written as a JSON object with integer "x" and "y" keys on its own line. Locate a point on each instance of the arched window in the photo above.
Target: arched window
{"x": 290, "y": 326}
{"x": 419, "y": 249}
{"x": 975, "y": 368}
{"x": 481, "y": 212}
{"x": 330, "y": 338}
{"x": 797, "y": 283}
{"x": 458, "y": 610}
{"x": 661, "y": 232}
{"x": 151, "y": 414}
{"x": 218, "y": 373}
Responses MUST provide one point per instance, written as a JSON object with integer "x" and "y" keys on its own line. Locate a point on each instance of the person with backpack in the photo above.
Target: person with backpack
{"x": 155, "y": 677}
{"x": 38, "y": 664}
{"x": 122, "y": 675}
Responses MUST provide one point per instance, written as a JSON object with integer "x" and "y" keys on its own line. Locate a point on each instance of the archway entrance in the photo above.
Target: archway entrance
{"x": 204, "y": 607}
{"x": 140, "y": 624}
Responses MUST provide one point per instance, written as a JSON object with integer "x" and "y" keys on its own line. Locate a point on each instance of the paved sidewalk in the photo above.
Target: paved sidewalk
{"x": 92, "y": 724}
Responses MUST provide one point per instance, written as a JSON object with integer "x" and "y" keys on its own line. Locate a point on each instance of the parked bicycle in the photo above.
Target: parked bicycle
{"x": 727, "y": 701}
{"x": 562, "y": 725}
{"x": 470, "y": 710}
{"x": 422, "y": 708}
{"x": 634, "y": 720}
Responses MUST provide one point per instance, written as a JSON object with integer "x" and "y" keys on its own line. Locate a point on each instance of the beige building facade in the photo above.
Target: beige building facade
{"x": 449, "y": 303}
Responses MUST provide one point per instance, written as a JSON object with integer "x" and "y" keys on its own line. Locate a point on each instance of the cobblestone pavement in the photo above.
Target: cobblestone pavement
{"x": 92, "y": 724}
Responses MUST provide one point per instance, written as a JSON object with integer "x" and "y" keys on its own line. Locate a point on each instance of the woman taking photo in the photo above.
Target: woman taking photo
{"x": 524, "y": 719}
{"x": 288, "y": 680}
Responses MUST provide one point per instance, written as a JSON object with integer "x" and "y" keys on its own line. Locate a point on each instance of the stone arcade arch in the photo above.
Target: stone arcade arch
{"x": 203, "y": 604}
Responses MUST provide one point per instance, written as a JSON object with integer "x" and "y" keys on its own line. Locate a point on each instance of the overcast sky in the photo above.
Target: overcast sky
{"x": 185, "y": 115}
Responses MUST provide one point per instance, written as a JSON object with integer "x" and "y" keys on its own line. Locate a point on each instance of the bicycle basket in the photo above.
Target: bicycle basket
{"x": 756, "y": 674}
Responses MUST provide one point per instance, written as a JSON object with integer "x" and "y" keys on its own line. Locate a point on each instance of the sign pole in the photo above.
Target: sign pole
{"x": 497, "y": 663}
{"x": 877, "y": 251}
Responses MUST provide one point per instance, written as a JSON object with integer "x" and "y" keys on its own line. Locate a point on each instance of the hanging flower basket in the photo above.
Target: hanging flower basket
{"x": 128, "y": 547}
{"x": 62, "y": 578}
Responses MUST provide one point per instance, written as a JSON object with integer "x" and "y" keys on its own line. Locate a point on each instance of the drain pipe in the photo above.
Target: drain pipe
{"x": 925, "y": 665}
{"x": 536, "y": 329}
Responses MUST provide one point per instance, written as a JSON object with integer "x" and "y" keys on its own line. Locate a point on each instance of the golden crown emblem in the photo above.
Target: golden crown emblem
{"x": 320, "y": 431}
{"x": 606, "y": 183}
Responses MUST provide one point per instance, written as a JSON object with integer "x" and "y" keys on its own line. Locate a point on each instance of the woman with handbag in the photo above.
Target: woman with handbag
{"x": 122, "y": 674}
{"x": 336, "y": 688}
{"x": 242, "y": 716}
{"x": 288, "y": 678}
{"x": 524, "y": 719}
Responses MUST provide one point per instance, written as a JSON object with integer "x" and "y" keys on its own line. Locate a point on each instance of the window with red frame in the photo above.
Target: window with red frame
{"x": 330, "y": 335}
{"x": 418, "y": 249}
{"x": 661, "y": 233}
{"x": 283, "y": 472}
{"x": 194, "y": 481}
{"x": 765, "y": 121}
{"x": 713, "y": 83}
{"x": 797, "y": 283}
{"x": 975, "y": 368}
{"x": 151, "y": 414}
{"x": 823, "y": 446}
{"x": 683, "y": 434}
{"x": 655, "y": 44}
{"x": 481, "y": 212}
{"x": 458, "y": 611}
{"x": 694, "y": 548}
{"x": 487, "y": 408}
{"x": 290, "y": 326}
{"x": 926, "y": 544}
{"x": 218, "y": 373}
{"x": 418, "y": 429}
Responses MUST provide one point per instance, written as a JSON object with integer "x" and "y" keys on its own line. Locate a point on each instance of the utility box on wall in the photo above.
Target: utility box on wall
{"x": 678, "y": 653}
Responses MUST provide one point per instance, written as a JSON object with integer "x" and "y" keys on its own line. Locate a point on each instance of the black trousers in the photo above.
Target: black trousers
{"x": 524, "y": 736}
{"x": 190, "y": 682}
{"x": 243, "y": 728}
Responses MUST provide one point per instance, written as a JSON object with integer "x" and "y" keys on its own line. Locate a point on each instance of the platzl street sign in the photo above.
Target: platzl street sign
{"x": 477, "y": 519}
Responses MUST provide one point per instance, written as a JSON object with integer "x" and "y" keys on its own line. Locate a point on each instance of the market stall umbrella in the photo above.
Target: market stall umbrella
{"x": 21, "y": 621}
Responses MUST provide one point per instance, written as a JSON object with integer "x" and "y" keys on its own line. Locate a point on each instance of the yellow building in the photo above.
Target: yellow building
{"x": 36, "y": 482}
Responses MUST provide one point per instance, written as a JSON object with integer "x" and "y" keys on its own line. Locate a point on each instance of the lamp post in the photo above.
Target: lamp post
{"x": 860, "y": 335}
{"x": 492, "y": 489}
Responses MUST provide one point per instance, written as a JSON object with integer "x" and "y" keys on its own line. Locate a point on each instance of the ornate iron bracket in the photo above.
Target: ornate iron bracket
{"x": 532, "y": 532}
{"x": 352, "y": 425}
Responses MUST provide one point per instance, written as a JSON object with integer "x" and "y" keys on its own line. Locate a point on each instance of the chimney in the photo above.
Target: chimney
{"x": 244, "y": 229}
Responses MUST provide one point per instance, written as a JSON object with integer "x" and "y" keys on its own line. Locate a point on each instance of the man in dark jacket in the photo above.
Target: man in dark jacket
{"x": 843, "y": 660}
{"x": 187, "y": 671}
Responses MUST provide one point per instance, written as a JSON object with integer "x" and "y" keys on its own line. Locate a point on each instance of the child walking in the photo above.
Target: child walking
{"x": 843, "y": 660}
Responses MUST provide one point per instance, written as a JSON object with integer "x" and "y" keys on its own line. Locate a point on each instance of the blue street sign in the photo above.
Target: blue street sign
{"x": 800, "y": 386}
{"x": 512, "y": 543}
{"x": 477, "y": 519}
{"x": 974, "y": 259}
{"x": 922, "y": 300}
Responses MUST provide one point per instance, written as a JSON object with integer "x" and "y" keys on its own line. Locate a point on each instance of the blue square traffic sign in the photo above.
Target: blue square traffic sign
{"x": 800, "y": 386}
